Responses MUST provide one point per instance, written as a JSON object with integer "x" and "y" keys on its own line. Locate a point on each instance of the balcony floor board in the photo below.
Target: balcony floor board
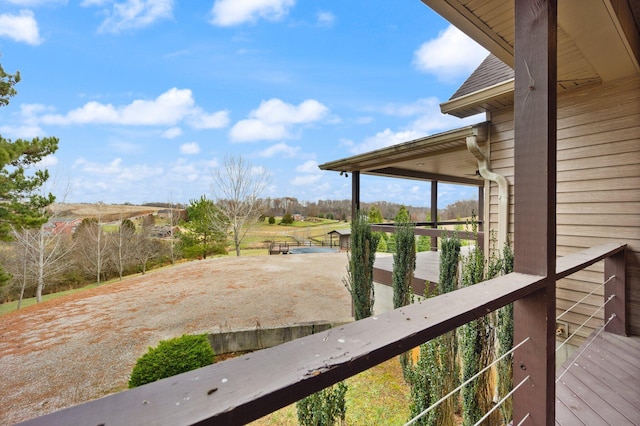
{"x": 597, "y": 388}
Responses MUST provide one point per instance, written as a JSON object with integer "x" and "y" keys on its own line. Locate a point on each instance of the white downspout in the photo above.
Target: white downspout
{"x": 503, "y": 189}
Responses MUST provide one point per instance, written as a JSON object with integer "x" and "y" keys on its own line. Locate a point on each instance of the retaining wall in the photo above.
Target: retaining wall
{"x": 261, "y": 338}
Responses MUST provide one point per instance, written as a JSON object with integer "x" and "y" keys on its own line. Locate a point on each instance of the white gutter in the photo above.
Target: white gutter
{"x": 503, "y": 188}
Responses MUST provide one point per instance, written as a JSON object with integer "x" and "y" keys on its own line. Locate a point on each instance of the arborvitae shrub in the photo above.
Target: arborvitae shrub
{"x": 324, "y": 408}
{"x": 172, "y": 357}
{"x": 272, "y": 220}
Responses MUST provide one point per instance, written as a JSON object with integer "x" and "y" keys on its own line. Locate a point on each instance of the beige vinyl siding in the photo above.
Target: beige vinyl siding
{"x": 598, "y": 189}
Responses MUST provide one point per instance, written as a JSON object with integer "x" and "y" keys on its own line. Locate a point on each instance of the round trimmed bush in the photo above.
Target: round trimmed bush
{"x": 172, "y": 357}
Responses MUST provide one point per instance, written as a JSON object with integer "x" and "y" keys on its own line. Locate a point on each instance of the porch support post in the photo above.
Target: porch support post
{"x": 614, "y": 266}
{"x": 355, "y": 193}
{"x": 481, "y": 228}
{"x": 535, "y": 113}
{"x": 434, "y": 213}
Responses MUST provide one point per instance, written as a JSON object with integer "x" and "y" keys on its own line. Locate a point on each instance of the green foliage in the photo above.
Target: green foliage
{"x": 272, "y": 220}
{"x": 476, "y": 344}
{"x": 287, "y": 219}
{"x": 436, "y": 372}
{"x": 323, "y": 408}
{"x": 382, "y": 244}
{"x": 391, "y": 243}
{"x": 375, "y": 216}
{"x": 202, "y": 236}
{"x": 172, "y": 357}
{"x": 404, "y": 264}
{"x": 7, "y": 83}
{"x": 402, "y": 215}
{"x": 22, "y": 205}
{"x": 424, "y": 243}
{"x": 362, "y": 255}
{"x": 505, "y": 340}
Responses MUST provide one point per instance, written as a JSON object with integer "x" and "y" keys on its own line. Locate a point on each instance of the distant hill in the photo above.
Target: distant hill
{"x": 108, "y": 212}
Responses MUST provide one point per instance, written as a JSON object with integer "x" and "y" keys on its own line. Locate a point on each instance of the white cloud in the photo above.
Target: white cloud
{"x": 168, "y": 109}
{"x": 306, "y": 179}
{"x": 233, "y": 12}
{"x": 190, "y": 148}
{"x": 21, "y": 27}
{"x": 132, "y": 14}
{"x": 33, "y": 3}
{"x": 277, "y": 111}
{"x": 254, "y": 130}
{"x": 125, "y": 147}
{"x": 273, "y": 118}
{"x": 118, "y": 173}
{"x": 449, "y": 56}
{"x": 384, "y": 139}
{"x": 24, "y": 131}
{"x": 104, "y": 169}
{"x": 309, "y": 166}
{"x": 279, "y": 148}
{"x": 171, "y": 133}
{"x": 312, "y": 174}
{"x": 216, "y": 120}
{"x": 326, "y": 19}
{"x": 46, "y": 162}
{"x": 421, "y": 106}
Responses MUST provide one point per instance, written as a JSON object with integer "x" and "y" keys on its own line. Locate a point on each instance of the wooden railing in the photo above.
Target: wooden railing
{"x": 434, "y": 233}
{"x": 246, "y": 388}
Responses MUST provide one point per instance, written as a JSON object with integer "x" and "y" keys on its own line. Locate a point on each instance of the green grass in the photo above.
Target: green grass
{"x": 378, "y": 396}
{"x": 5, "y": 308}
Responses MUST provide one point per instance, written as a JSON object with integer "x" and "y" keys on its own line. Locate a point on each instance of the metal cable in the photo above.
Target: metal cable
{"x": 585, "y": 322}
{"x": 495, "y": 407}
{"x": 441, "y": 400}
{"x": 585, "y": 347}
{"x": 583, "y": 299}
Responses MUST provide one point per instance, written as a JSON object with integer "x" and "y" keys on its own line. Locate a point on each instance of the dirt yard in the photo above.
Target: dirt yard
{"x": 81, "y": 347}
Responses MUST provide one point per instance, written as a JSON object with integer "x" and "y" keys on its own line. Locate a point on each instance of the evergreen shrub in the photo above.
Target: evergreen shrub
{"x": 323, "y": 408}
{"x": 172, "y": 357}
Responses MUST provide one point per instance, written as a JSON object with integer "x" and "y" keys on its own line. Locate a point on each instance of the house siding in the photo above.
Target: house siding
{"x": 598, "y": 188}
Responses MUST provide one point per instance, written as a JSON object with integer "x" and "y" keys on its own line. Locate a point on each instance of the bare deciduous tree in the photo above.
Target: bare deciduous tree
{"x": 42, "y": 251}
{"x": 236, "y": 187}
{"x": 122, "y": 244}
{"x": 92, "y": 243}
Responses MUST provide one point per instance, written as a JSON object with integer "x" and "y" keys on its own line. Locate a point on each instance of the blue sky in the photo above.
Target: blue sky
{"x": 148, "y": 96}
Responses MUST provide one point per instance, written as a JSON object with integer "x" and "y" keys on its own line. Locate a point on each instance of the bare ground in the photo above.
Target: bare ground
{"x": 83, "y": 346}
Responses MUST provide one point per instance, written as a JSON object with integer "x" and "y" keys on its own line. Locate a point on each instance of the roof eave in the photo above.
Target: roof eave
{"x": 355, "y": 162}
{"x": 472, "y": 103}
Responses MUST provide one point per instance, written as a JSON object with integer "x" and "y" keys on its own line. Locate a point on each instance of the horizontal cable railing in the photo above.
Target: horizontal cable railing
{"x": 246, "y": 388}
{"x": 465, "y": 383}
{"x": 584, "y": 323}
{"x": 585, "y": 347}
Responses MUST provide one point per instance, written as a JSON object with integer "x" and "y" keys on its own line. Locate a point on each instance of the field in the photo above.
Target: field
{"x": 107, "y": 211}
{"x": 82, "y": 345}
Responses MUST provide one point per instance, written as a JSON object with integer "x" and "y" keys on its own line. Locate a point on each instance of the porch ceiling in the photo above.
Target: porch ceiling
{"x": 598, "y": 40}
{"x": 443, "y": 157}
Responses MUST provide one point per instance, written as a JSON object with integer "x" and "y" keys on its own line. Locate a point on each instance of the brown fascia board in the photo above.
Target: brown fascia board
{"x": 477, "y": 98}
{"x": 380, "y": 158}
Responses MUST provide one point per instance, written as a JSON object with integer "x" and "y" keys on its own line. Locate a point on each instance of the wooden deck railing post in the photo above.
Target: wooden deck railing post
{"x": 535, "y": 116}
{"x": 434, "y": 213}
{"x": 614, "y": 266}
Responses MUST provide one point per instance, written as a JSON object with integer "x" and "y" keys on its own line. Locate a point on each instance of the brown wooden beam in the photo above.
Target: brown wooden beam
{"x": 240, "y": 390}
{"x": 412, "y": 174}
{"x": 355, "y": 193}
{"x": 614, "y": 269}
{"x": 535, "y": 113}
{"x": 434, "y": 213}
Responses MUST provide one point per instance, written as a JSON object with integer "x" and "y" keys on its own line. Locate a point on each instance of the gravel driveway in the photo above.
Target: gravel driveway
{"x": 81, "y": 347}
